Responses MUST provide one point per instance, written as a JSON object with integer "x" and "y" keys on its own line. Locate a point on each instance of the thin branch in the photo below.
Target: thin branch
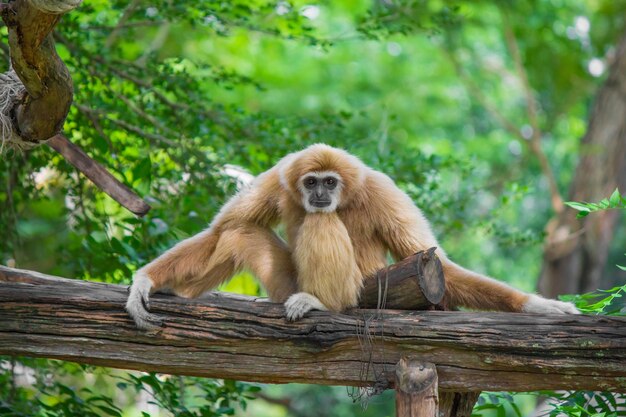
{"x": 287, "y": 403}
{"x": 141, "y": 113}
{"x": 127, "y": 126}
{"x": 168, "y": 145}
{"x": 102, "y": 178}
{"x": 128, "y": 12}
{"x": 121, "y": 26}
{"x": 96, "y": 125}
{"x": 476, "y": 92}
{"x": 532, "y": 112}
{"x": 214, "y": 116}
{"x": 114, "y": 67}
{"x": 156, "y": 44}
{"x": 132, "y": 106}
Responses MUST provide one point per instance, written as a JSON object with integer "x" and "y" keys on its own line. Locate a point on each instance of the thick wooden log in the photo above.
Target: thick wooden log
{"x": 415, "y": 283}
{"x": 226, "y": 336}
{"x": 416, "y": 389}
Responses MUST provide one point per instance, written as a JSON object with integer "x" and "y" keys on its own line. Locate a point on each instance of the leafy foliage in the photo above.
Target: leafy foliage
{"x": 601, "y": 301}
{"x": 585, "y": 403}
{"x": 172, "y": 394}
{"x": 616, "y": 201}
{"x": 500, "y": 403}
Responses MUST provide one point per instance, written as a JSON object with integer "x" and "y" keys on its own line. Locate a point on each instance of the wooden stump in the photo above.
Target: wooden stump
{"x": 414, "y": 283}
{"x": 416, "y": 389}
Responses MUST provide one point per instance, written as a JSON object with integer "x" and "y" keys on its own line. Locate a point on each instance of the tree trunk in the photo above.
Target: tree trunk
{"x": 576, "y": 250}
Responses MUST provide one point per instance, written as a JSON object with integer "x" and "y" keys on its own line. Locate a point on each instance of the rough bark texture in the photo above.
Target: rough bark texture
{"x": 41, "y": 112}
{"x": 416, "y": 389}
{"x": 226, "y": 336}
{"x": 576, "y": 251}
{"x": 415, "y": 283}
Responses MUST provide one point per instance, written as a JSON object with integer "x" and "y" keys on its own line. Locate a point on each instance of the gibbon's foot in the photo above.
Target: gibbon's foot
{"x": 138, "y": 303}
{"x": 301, "y": 303}
{"x": 537, "y": 304}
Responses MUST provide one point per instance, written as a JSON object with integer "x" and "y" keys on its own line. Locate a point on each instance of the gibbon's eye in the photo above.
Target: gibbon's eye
{"x": 309, "y": 182}
{"x": 330, "y": 182}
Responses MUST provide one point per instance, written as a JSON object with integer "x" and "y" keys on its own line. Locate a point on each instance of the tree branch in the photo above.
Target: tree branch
{"x": 102, "y": 178}
{"x": 532, "y": 112}
{"x": 475, "y": 91}
{"x": 228, "y": 336}
{"x": 41, "y": 112}
{"x": 45, "y": 77}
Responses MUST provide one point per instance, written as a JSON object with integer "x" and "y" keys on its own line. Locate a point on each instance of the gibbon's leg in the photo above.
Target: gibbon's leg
{"x": 266, "y": 256}
{"x": 466, "y": 288}
{"x": 206, "y": 260}
{"x": 405, "y": 230}
{"x": 186, "y": 264}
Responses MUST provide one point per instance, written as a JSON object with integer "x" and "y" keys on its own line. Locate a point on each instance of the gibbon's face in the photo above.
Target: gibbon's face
{"x": 321, "y": 191}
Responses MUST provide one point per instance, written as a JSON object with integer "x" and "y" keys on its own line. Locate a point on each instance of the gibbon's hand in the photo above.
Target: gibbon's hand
{"x": 138, "y": 304}
{"x": 538, "y": 304}
{"x": 301, "y": 303}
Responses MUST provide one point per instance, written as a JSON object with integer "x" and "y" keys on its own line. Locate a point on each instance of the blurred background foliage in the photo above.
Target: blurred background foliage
{"x": 183, "y": 101}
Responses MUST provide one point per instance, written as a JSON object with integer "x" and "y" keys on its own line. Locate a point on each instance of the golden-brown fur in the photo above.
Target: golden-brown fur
{"x": 325, "y": 261}
{"x": 332, "y": 252}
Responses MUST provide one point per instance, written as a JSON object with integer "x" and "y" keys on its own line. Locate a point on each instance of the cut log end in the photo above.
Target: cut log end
{"x": 416, "y": 389}
{"x": 415, "y": 283}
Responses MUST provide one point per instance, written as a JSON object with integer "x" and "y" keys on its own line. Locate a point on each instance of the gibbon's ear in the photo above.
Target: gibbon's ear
{"x": 320, "y": 158}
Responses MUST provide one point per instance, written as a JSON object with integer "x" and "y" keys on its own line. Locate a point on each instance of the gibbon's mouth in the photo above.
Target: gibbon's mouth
{"x": 320, "y": 203}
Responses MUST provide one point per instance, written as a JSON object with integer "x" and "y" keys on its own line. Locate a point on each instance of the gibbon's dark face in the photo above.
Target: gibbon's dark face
{"x": 321, "y": 191}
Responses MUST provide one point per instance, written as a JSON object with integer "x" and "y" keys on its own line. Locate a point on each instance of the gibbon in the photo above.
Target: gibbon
{"x": 341, "y": 218}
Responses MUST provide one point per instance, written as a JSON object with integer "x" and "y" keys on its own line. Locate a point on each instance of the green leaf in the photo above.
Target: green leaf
{"x": 615, "y": 198}
{"x": 578, "y": 206}
{"x": 109, "y": 411}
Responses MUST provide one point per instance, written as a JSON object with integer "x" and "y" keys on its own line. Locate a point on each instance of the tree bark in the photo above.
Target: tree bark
{"x": 102, "y": 178}
{"x": 415, "y": 283}
{"x": 226, "y": 336}
{"x": 576, "y": 250}
{"x": 41, "y": 112}
{"x": 416, "y": 389}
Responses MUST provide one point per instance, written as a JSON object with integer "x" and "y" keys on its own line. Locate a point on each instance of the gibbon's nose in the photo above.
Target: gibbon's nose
{"x": 319, "y": 193}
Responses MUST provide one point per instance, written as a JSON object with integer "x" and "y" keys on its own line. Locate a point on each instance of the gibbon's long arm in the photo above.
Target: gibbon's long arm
{"x": 405, "y": 231}
{"x": 239, "y": 237}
